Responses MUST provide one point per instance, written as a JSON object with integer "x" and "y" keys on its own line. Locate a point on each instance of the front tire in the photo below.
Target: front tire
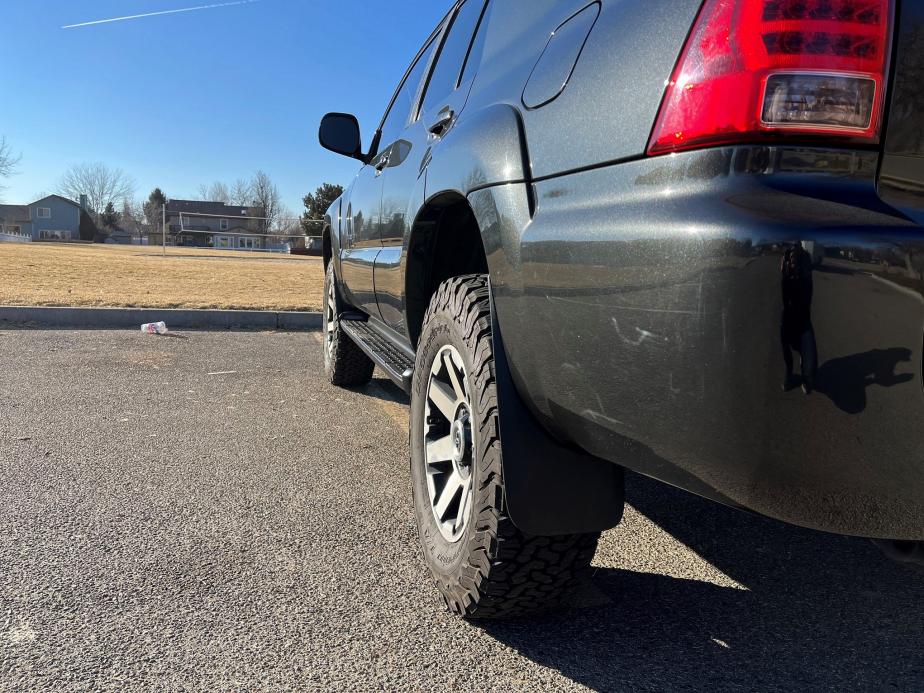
{"x": 483, "y": 566}
{"x": 344, "y": 363}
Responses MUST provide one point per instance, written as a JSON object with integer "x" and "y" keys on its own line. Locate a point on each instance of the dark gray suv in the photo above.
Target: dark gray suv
{"x": 677, "y": 237}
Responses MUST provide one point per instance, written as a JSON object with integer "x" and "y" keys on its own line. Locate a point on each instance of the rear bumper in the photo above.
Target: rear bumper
{"x": 642, "y": 311}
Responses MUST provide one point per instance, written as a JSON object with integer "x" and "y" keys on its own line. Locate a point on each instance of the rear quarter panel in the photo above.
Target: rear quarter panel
{"x": 607, "y": 110}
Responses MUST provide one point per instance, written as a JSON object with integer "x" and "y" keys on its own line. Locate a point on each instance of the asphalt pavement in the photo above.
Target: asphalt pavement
{"x": 204, "y": 512}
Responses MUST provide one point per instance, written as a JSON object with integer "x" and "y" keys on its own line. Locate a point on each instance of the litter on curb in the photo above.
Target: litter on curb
{"x": 154, "y": 327}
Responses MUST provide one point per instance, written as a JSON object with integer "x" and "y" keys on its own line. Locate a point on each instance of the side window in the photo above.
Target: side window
{"x": 476, "y": 52}
{"x": 445, "y": 76}
{"x": 400, "y": 111}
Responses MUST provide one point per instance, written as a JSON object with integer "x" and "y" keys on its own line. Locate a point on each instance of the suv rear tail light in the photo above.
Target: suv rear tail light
{"x": 764, "y": 69}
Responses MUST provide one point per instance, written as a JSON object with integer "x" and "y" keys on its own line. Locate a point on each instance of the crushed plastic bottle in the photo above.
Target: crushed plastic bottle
{"x": 154, "y": 328}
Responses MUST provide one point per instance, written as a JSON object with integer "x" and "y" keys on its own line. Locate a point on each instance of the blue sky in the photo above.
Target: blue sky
{"x": 184, "y": 99}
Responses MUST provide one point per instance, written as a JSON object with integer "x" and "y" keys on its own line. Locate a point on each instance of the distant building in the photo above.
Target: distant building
{"x": 121, "y": 236}
{"x": 53, "y": 218}
{"x": 199, "y": 224}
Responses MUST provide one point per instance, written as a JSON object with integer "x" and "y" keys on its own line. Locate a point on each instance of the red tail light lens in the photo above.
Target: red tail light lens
{"x": 759, "y": 69}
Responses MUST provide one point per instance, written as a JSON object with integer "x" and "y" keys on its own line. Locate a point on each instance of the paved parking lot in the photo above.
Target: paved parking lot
{"x": 205, "y": 513}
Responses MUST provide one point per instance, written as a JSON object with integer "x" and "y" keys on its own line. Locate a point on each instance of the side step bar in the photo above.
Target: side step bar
{"x": 397, "y": 364}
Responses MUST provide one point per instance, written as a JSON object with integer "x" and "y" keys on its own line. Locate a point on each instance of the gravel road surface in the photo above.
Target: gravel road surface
{"x": 204, "y": 512}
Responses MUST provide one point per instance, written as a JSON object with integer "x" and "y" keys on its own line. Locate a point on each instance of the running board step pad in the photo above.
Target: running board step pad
{"x": 396, "y": 364}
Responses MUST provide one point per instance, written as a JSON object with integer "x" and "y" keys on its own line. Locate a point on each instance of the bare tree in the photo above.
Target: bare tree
{"x": 285, "y": 227}
{"x": 287, "y": 222}
{"x": 101, "y": 185}
{"x": 8, "y": 162}
{"x": 265, "y": 195}
{"x": 216, "y": 192}
{"x": 241, "y": 193}
{"x": 133, "y": 218}
{"x": 284, "y": 217}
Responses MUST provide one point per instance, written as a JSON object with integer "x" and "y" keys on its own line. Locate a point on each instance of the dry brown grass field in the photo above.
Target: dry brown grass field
{"x": 51, "y": 274}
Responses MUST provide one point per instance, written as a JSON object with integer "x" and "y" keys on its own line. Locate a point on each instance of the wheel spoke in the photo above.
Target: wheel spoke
{"x": 436, "y": 367}
{"x": 443, "y": 397}
{"x": 453, "y": 485}
{"x": 331, "y": 307}
{"x": 463, "y": 504}
{"x": 449, "y": 360}
{"x": 439, "y": 450}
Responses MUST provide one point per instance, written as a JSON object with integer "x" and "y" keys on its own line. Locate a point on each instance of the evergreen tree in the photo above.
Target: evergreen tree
{"x": 317, "y": 204}
{"x": 110, "y": 217}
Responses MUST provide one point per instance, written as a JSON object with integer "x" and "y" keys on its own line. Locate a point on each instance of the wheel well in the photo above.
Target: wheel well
{"x": 327, "y": 251}
{"x": 445, "y": 242}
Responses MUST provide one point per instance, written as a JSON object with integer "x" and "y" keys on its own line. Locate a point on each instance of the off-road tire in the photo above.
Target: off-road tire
{"x": 344, "y": 363}
{"x": 494, "y": 570}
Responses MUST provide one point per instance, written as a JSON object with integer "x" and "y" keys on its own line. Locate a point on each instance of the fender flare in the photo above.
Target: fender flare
{"x": 487, "y": 147}
{"x": 332, "y": 219}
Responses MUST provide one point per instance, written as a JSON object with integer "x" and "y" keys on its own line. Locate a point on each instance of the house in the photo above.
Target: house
{"x": 121, "y": 236}
{"x": 52, "y": 218}
{"x": 212, "y": 225}
{"x": 15, "y": 223}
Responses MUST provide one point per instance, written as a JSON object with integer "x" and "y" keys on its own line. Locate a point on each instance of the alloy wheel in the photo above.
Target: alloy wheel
{"x": 330, "y": 318}
{"x": 449, "y": 444}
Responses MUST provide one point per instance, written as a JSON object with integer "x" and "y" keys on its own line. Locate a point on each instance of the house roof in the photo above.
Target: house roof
{"x": 14, "y": 213}
{"x": 21, "y": 212}
{"x": 58, "y": 197}
{"x": 215, "y": 208}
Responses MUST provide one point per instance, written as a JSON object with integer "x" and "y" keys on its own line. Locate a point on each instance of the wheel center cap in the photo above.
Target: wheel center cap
{"x": 461, "y": 442}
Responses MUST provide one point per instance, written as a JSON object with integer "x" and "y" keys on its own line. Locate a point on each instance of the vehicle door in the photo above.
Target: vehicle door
{"x": 424, "y": 120}
{"x": 362, "y": 240}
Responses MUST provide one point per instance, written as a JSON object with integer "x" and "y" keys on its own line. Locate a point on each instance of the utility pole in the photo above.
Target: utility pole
{"x": 163, "y": 234}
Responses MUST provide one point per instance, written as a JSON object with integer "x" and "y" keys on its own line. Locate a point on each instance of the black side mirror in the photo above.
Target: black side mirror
{"x": 339, "y": 132}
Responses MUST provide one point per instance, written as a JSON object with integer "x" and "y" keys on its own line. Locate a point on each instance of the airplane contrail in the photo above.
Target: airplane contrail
{"x": 162, "y": 12}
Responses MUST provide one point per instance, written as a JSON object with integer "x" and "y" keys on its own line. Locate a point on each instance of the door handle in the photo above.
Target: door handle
{"x": 381, "y": 164}
{"x": 442, "y": 122}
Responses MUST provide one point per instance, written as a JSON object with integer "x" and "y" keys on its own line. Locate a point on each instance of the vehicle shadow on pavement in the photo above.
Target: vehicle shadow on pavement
{"x": 818, "y": 612}
{"x": 384, "y": 389}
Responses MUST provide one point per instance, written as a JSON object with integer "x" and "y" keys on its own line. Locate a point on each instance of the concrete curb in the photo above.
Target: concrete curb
{"x": 132, "y": 318}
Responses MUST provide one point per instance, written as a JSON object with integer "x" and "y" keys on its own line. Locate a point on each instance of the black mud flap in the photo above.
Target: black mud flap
{"x": 550, "y": 488}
